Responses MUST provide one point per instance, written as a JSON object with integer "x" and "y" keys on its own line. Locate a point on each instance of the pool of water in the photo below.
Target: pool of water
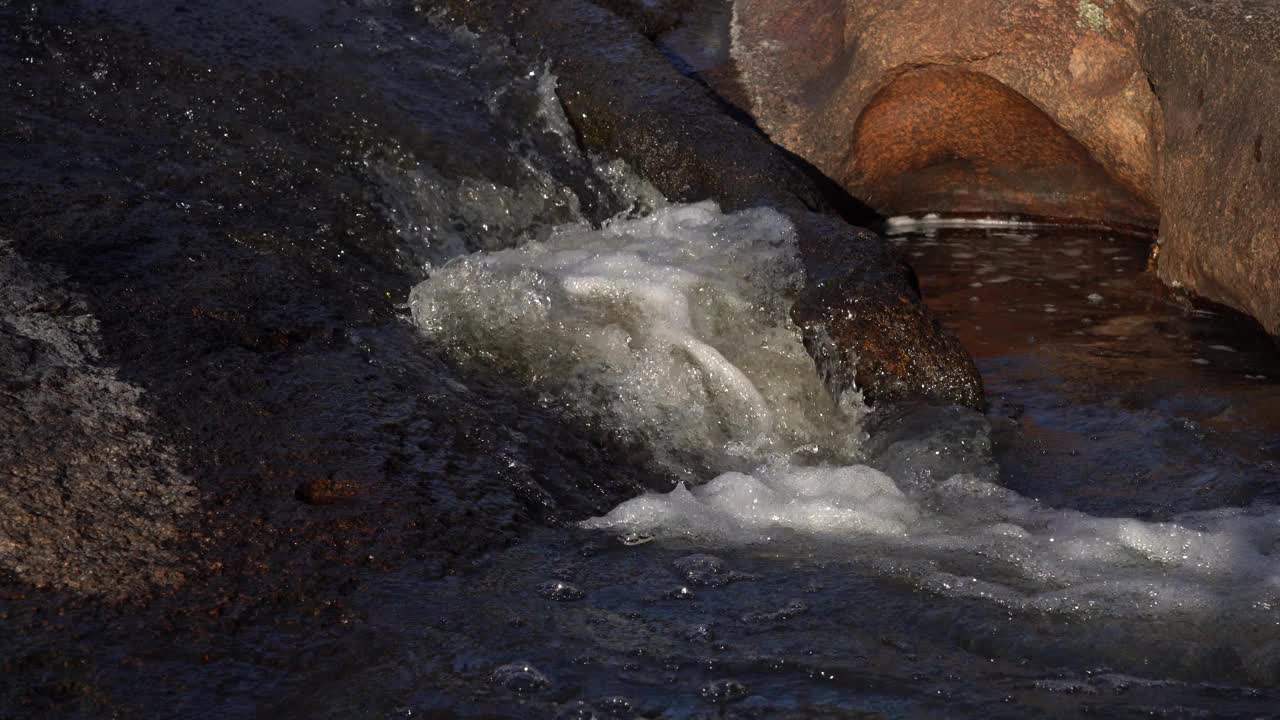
{"x": 1118, "y": 395}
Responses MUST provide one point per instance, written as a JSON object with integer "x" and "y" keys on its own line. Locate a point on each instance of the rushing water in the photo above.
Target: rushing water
{"x": 1141, "y": 573}
{"x": 1103, "y": 541}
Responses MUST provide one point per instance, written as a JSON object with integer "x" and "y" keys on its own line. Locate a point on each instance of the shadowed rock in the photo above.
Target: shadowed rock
{"x": 1216, "y": 69}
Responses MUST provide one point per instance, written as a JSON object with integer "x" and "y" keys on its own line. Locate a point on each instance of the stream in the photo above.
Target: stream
{"x": 1104, "y": 540}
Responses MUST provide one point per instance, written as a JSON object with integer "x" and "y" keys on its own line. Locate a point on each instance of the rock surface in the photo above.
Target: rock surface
{"x": 972, "y": 106}
{"x": 204, "y": 379}
{"x": 91, "y": 499}
{"x": 207, "y": 385}
{"x": 1216, "y": 69}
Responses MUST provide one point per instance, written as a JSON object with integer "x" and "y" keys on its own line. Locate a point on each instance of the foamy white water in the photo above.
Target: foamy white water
{"x": 969, "y": 537}
{"x": 672, "y": 330}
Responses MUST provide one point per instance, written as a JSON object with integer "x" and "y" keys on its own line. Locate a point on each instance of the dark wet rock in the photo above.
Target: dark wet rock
{"x": 651, "y": 17}
{"x": 961, "y": 107}
{"x": 198, "y": 323}
{"x": 866, "y": 326}
{"x": 862, "y": 315}
{"x": 1216, "y": 70}
{"x": 626, "y": 100}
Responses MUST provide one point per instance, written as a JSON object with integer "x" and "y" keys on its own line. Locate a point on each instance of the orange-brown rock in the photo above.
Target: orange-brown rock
{"x": 1001, "y": 106}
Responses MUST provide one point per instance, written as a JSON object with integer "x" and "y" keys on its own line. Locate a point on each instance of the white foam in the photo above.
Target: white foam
{"x": 902, "y": 224}
{"x": 671, "y": 329}
{"x": 849, "y": 501}
{"x": 978, "y": 539}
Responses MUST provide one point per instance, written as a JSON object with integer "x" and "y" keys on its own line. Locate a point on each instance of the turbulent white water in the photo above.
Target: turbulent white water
{"x": 672, "y": 330}
{"x": 970, "y": 537}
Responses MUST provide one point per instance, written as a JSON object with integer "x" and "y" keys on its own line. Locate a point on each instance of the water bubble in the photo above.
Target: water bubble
{"x": 630, "y": 539}
{"x": 577, "y": 711}
{"x": 564, "y": 572}
{"x": 560, "y": 590}
{"x": 790, "y": 610}
{"x": 614, "y": 705}
{"x": 706, "y": 571}
{"x": 680, "y": 593}
{"x": 700, "y": 633}
{"x": 520, "y": 677}
{"x": 723, "y": 691}
{"x": 607, "y": 708}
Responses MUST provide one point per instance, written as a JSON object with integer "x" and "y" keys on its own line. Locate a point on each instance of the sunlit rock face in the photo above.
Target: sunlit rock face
{"x": 963, "y": 107}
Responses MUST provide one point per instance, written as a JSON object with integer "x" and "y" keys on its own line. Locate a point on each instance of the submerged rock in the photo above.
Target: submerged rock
{"x": 863, "y": 321}
{"x": 961, "y": 107}
{"x": 1216, "y": 70}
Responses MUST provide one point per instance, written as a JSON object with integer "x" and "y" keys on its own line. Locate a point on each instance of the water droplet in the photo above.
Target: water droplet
{"x": 706, "y": 571}
{"x": 723, "y": 691}
{"x": 520, "y": 677}
{"x": 614, "y": 705}
{"x": 560, "y": 590}
{"x": 701, "y": 633}
{"x": 680, "y": 593}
